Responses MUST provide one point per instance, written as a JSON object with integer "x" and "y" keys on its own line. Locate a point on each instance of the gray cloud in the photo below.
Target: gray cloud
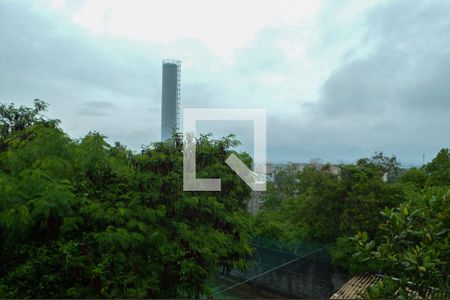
{"x": 91, "y": 112}
{"x": 42, "y": 51}
{"x": 96, "y": 108}
{"x": 100, "y": 104}
{"x": 80, "y": 75}
{"x": 409, "y": 67}
{"x": 397, "y": 96}
{"x": 383, "y": 80}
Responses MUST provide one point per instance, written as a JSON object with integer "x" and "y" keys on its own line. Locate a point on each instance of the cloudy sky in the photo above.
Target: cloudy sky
{"x": 339, "y": 79}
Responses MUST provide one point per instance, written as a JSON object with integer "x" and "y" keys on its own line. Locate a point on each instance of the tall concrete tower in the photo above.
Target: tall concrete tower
{"x": 170, "y": 106}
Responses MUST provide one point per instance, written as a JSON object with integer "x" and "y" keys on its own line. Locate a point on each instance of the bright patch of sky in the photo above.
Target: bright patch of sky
{"x": 339, "y": 79}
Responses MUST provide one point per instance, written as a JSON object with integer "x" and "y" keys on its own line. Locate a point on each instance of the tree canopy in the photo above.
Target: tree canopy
{"x": 322, "y": 205}
{"x": 377, "y": 217}
{"x": 86, "y": 219}
{"x": 81, "y": 218}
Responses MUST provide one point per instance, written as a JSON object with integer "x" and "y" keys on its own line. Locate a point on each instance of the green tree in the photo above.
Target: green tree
{"x": 286, "y": 180}
{"x": 365, "y": 195}
{"x": 314, "y": 213}
{"x": 414, "y": 249}
{"x": 439, "y": 169}
{"x": 326, "y": 205}
{"x": 84, "y": 219}
{"x": 388, "y": 164}
{"x": 415, "y": 177}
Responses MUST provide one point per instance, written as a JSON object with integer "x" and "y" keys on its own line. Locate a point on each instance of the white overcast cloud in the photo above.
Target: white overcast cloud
{"x": 340, "y": 79}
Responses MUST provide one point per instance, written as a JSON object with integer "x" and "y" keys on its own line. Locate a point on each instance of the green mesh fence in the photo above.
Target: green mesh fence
{"x": 281, "y": 270}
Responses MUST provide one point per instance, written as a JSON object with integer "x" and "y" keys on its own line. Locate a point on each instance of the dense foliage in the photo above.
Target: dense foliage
{"x": 323, "y": 205}
{"x": 414, "y": 249}
{"x": 84, "y": 219}
{"x": 376, "y": 217}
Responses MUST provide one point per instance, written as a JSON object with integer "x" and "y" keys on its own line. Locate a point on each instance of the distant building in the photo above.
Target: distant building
{"x": 298, "y": 167}
{"x": 270, "y": 172}
{"x": 335, "y": 170}
{"x": 170, "y": 100}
